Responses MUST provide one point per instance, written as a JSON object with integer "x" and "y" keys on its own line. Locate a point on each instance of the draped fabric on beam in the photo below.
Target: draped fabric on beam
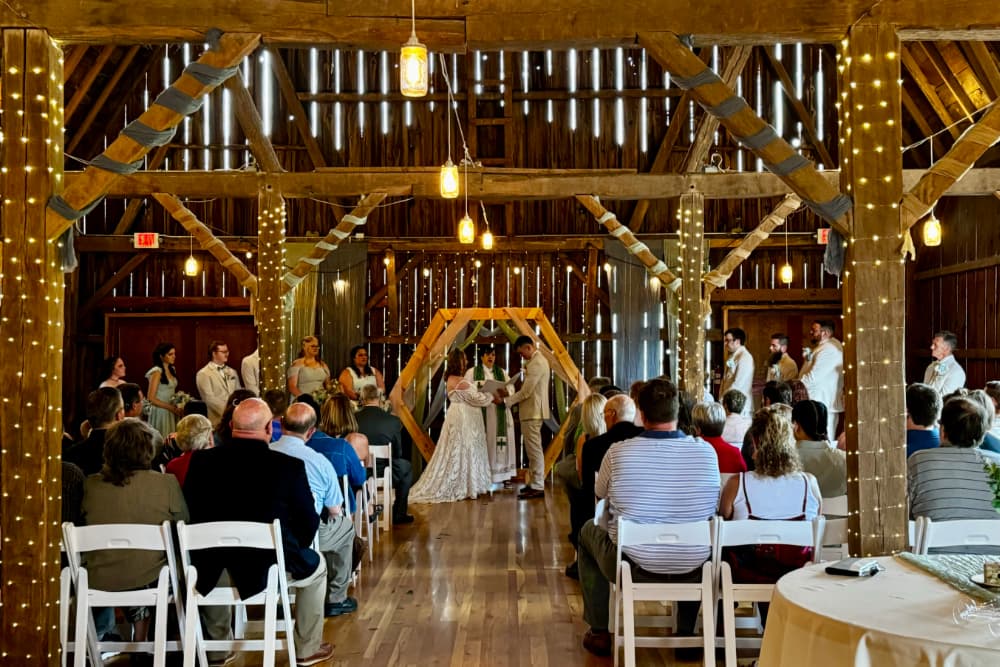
{"x": 300, "y": 303}
{"x": 637, "y": 310}
{"x": 340, "y": 303}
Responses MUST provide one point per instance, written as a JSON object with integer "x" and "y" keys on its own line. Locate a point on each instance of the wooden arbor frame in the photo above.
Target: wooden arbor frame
{"x": 445, "y": 328}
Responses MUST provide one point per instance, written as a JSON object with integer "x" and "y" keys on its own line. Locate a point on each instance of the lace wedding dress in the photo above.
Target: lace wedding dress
{"x": 460, "y": 466}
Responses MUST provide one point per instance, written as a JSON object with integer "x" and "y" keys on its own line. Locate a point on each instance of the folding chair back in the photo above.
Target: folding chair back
{"x": 627, "y": 592}
{"x": 959, "y": 533}
{"x": 383, "y": 484}
{"x": 835, "y": 506}
{"x": 751, "y": 532}
{"x": 245, "y": 535}
{"x": 79, "y": 540}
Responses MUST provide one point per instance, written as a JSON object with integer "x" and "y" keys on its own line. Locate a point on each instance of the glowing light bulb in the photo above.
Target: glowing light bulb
{"x": 413, "y": 68}
{"x": 932, "y": 231}
{"x": 466, "y": 230}
{"x": 191, "y": 266}
{"x": 786, "y": 275}
{"x": 487, "y": 240}
{"x": 449, "y": 180}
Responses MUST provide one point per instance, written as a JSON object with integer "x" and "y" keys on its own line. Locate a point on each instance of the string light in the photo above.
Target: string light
{"x": 466, "y": 227}
{"x": 449, "y": 172}
{"x": 413, "y": 68}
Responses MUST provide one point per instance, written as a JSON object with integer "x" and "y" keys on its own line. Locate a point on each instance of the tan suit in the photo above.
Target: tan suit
{"x": 214, "y": 387}
{"x": 533, "y": 408}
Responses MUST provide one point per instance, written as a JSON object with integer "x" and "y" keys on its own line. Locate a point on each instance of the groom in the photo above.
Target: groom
{"x": 533, "y": 398}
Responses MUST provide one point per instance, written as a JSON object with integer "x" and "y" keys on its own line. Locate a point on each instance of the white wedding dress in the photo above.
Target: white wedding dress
{"x": 460, "y": 466}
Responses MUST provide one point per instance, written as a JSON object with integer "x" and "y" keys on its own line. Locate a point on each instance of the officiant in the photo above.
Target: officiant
{"x": 499, "y": 422}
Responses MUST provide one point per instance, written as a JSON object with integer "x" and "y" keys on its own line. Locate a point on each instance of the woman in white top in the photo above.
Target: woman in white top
{"x": 776, "y": 490}
{"x": 308, "y": 372}
{"x": 359, "y": 373}
{"x": 112, "y": 372}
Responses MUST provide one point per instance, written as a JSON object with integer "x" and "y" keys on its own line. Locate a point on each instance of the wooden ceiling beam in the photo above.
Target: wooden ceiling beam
{"x": 97, "y": 106}
{"x": 71, "y": 58}
{"x": 918, "y": 117}
{"x": 983, "y": 64}
{"x": 928, "y": 89}
{"x": 951, "y": 83}
{"x": 88, "y": 80}
{"x": 808, "y": 122}
{"x": 250, "y": 122}
{"x": 447, "y": 25}
{"x": 491, "y": 185}
{"x": 295, "y": 108}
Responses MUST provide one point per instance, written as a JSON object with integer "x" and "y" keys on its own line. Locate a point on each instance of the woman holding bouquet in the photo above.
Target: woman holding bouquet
{"x": 497, "y": 418}
{"x": 308, "y": 372}
{"x": 163, "y": 411}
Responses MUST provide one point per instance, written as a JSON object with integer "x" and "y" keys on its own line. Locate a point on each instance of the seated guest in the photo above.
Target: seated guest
{"x": 799, "y": 391}
{"x": 134, "y": 401}
{"x": 948, "y": 482}
{"x": 567, "y": 471}
{"x": 923, "y": 407}
{"x": 685, "y": 405}
{"x": 734, "y": 401}
{"x": 104, "y": 408}
{"x": 127, "y": 491}
{"x": 991, "y": 443}
{"x": 993, "y": 391}
{"x": 596, "y": 384}
{"x": 709, "y": 421}
{"x": 342, "y": 422}
{"x": 338, "y": 452}
{"x": 660, "y": 476}
{"x": 382, "y": 428}
{"x": 774, "y": 393}
{"x": 224, "y": 430}
{"x": 776, "y": 490}
{"x": 194, "y": 432}
{"x": 818, "y": 456}
{"x": 277, "y": 400}
{"x": 336, "y": 531}
{"x": 72, "y": 492}
{"x": 245, "y": 481}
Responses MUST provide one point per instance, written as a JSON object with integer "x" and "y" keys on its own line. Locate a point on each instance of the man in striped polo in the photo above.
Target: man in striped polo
{"x": 660, "y": 476}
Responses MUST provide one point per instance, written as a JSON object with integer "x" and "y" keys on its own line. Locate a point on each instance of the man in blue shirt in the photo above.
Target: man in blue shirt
{"x": 923, "y": 407}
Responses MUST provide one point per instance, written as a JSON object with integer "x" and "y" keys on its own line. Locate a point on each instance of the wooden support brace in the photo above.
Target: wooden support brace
{"x": 208, "y": 241}
{"x": 249, "y": 120}
{"x": 358, "y": 216}
{"x": 969, "y": 147}
{"x": 654, "y": 266}
{"x": 720, "y": 100}
{"x": 96, "y": 182}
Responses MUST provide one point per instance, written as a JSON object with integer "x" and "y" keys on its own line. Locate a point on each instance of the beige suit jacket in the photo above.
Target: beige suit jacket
{"x": 533, "y": 397}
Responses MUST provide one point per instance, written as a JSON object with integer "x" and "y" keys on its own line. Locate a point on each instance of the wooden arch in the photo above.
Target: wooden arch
{"x": 447, "y": 324}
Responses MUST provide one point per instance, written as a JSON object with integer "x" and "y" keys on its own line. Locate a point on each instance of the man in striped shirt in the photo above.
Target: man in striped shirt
{"x": 660, "y": 476}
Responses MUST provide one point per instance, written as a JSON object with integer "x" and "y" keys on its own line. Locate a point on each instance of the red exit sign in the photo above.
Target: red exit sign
{"x": 823, "y": 235}
{"x": 146, "y": 240}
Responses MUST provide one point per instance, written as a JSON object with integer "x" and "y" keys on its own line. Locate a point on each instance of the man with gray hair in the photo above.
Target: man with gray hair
{"x": 336, "y": 531}
{"x": 619, "y": 417}
{"x": 944, "y": 374}
{"x": 382, "y": 428}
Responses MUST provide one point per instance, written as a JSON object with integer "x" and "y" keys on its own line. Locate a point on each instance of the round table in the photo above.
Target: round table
{"x": 901, "y": 616}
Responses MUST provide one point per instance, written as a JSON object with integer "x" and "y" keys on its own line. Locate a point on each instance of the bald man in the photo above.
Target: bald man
{"x": 246, "y": 481}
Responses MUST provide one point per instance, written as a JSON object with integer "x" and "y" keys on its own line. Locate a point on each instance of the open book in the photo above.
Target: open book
{"x": 493, "y": 386}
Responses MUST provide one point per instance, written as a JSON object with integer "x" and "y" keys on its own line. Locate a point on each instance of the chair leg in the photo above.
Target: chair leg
{"x": 728, "y": 615}
{"x": 615, "y": 604}
{"x": 270, "y": 629}
{"x": 708, "y": 615}
{"x": 628, "y": 617}
{"x": 82, "y": 632}
{"x": 64, "y": 604}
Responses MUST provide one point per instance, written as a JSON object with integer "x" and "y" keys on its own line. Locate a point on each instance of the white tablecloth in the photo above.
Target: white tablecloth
{"x": 902, "y": 616}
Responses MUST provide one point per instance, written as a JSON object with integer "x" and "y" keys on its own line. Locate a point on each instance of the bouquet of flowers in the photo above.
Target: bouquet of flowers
{"x": 993, "y": 476}
{"x": 181, "y": 398}
{"x": 321, "y": 395}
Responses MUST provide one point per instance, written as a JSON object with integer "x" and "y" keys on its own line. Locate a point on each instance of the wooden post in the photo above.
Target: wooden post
{"x": 874, "y": 291}
{"x": 692, "y": 331}
{"x": 270, "y": 307}
{"x": 31, "y": 332}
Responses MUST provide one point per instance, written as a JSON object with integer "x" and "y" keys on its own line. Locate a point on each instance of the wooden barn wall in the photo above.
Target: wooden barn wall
{"x": 966, "y": 298}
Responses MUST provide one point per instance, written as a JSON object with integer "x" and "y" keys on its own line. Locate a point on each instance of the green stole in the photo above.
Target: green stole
{"x": 479, "y": 374}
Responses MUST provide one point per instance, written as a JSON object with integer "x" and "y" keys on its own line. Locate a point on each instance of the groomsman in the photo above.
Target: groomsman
{"x": 533, "y": 401}
{"x": 216, "y": 381}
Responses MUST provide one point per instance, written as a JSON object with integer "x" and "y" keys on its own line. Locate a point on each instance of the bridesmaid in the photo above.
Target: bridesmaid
{"x": 308, "y": 372}
{"x": 359, "y": 373}
{"x": 112, "y": 372}
{"x": 162, "y": 378}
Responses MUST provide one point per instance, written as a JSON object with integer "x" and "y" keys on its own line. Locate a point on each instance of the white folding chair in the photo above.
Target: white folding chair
{"x": 915, "y": 534}
{"x": 80, "y": 540}
{"x": 835, "y": 532}
{"x": 382, "y": 485}
{"x": 835, "y": 507}
{"x": 362, "y": 524}
{"x": 957, "y": 534}
{"x": 628, "y": 592}
{"x": 345, "y": 488}
{"x": 750, "y": 532}
{"x": 247, "y": 535}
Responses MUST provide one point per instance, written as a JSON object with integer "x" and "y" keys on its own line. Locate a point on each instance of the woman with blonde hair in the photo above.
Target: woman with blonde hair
{"x": 776, "y": 490}
{"x": 308, "y": 372}
{"x": 337, "y": 419}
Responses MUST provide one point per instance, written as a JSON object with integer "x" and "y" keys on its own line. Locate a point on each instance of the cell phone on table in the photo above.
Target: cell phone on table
{"x": 855, "y": 567}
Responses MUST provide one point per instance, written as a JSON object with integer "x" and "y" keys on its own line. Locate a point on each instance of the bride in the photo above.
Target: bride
{"x": 460, "y": 466}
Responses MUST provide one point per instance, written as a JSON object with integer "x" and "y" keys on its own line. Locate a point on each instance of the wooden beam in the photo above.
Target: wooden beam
{"x": 874, "y": 291}
{"x": 88, "y": 80}
{"x": 105, "y": 289}
{"x": 803, "y": 179}
{"x": 298, "y": 114}
{"x": 447, "y": 26}
{"x": 31, "y": 347}
{"x": 207, "y": 240}
{"x": 933, "y": 55}
{"x": 952, "y": 166}
{"x": 493, "y": 185}
{"x": 95, "y": 181}
{"x": 983, "y": 64}
{"x": 331, "y": 241}
{"x": 97, "y": 106}
{"x": 917, "y": 115}
{"x": 787, "y": 296}
{"x": 928, "y": 89}
{"x": 654, "y": 266}
{"x": 961, "y": 267}
{"x": 538, "y": 95}
{"x": 719, "y": 276}
{"x": 251, "y": 124}
{"x": 72, "y": 58}
{"x": 808, "y": 122}
{"x": 734, "y": 62}
{"x": 135, "y": 204}
{"x": 174, "y": 304}
{"x": 392, "y": 295}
